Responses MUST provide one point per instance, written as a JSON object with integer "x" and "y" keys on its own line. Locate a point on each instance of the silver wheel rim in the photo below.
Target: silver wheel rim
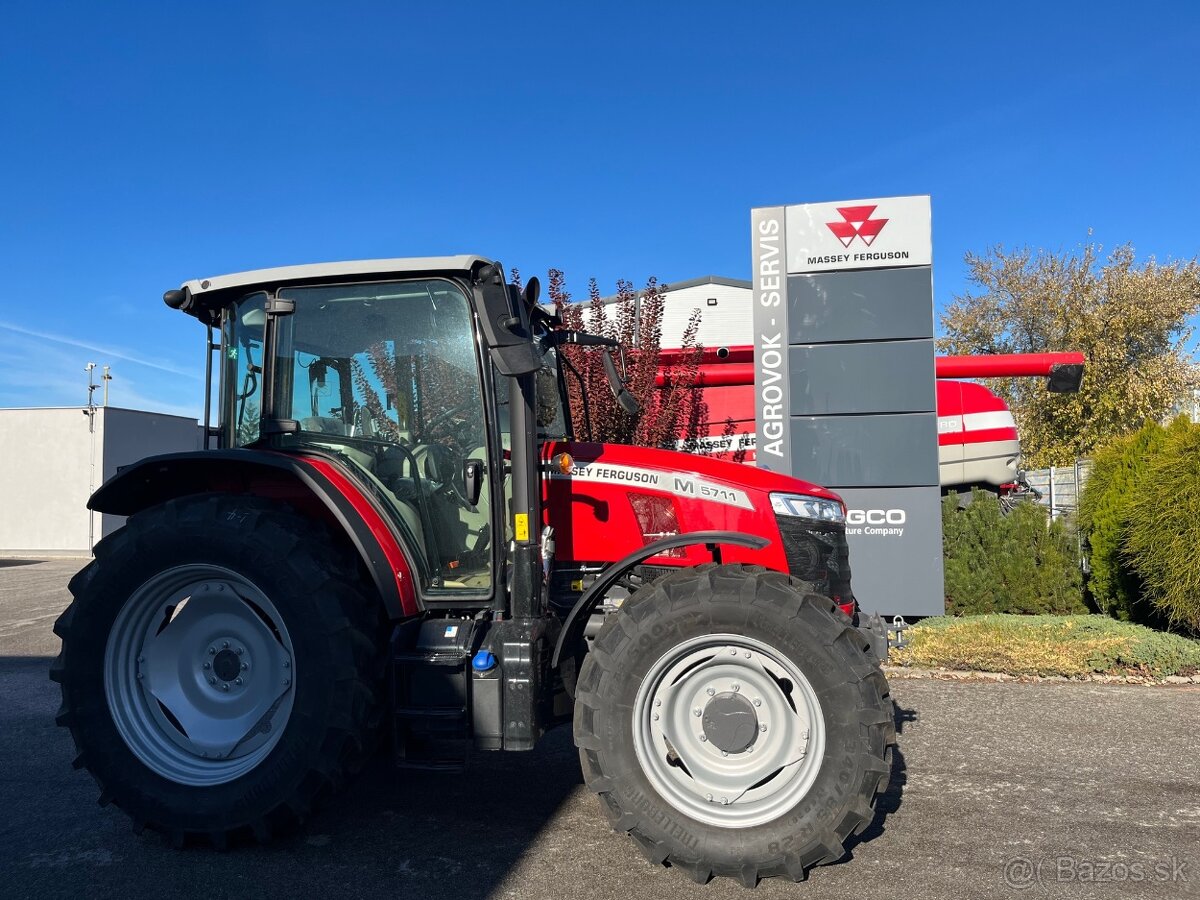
{"x": 726, "y": 690}
{"x": 198, "y": 673}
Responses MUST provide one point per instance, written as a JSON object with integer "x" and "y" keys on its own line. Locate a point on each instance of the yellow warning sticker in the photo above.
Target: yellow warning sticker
{"x": 521, "y": 526}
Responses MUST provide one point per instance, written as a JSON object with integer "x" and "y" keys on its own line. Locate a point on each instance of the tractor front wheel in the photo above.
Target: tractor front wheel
{"x": 218, "y": 667}
{"x": 734, "y": 724}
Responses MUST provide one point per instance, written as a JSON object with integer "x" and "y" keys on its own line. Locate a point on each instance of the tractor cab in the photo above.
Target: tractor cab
{"x": 385, "y": 376}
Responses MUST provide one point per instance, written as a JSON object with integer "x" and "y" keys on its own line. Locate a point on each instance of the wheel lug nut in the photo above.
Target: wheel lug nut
{"x": 224, "y": 686}
{"x": 212, "y": 651}
{"x": 762, "y": 727}
{"x": 212, "y": 680}
{"x": 757, "y": 702}
{"x": 224, "y": 645}
{"x": 708, "y": 797}
{"x": 208, "y": 665}
{"x": 656, "y": 717}
{"x": 747, "y": 654}
{"x": 245, "y": 666}
{"x": 139, "y": 676}
{"x": 241, "y": 650}
{"x": 703, "y": 738}
{"x": 287, "y": 663}
{"x": 736, "y": 687}
{"x": 710, "y": 691}
{"x": 658, "y": 703}
{"x": 733, "y": 651}
{"x": 237, "y": 681}
{"x": 724, "y": 752}
{"x": 697, "y": 711}
{"x": 724, "y": 801}
{"x": 141, "y": 659}
{"x": 287, "y": 681}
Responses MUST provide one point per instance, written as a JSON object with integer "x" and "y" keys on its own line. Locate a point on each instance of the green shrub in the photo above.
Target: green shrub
{"x": 1047, "y": 645}
{"x": 1014, "y": 563}
{"x": 1118, "y": 476}
{"x": 1163, "y": 539}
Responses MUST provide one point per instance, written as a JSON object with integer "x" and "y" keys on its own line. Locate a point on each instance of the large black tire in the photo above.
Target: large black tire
{"x": 767, "y": 609}
{"x": 335, "y": 628}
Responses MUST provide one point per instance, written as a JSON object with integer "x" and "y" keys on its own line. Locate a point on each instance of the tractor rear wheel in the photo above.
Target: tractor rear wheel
{"x": 219, "y": 667}
{"x": 734, "y": 724}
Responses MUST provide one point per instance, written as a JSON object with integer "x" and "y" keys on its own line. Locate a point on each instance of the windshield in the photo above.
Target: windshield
{"x": 386, "y": 376}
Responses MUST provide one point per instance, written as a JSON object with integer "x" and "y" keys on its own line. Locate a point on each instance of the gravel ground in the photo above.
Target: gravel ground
{"x": 1000, "y": 789}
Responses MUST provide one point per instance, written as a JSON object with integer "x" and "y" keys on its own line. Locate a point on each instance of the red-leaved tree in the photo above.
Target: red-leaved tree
{"x": 672, "y": 414}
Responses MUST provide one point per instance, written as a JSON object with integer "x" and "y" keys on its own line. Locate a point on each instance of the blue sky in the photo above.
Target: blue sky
{"x": 143, "y": 144}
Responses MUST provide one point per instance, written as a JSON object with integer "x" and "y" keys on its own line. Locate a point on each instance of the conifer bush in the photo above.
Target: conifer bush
{"x": 1118, "y": 475}
{"x": 1162, "y": 545}
{"x": 1014, "y": 563}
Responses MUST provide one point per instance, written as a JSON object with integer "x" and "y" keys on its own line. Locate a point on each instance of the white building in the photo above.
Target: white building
{"x": 51, "y": 459}
{"x": 725, "y": 311}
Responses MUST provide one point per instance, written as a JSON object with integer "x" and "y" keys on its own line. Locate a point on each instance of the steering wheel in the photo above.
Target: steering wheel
{"x": 437, "y": 459}
{"x": 447, "y": 414}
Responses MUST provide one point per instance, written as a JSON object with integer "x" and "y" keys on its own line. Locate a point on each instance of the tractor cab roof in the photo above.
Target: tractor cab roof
{"x": 204, "y": 295}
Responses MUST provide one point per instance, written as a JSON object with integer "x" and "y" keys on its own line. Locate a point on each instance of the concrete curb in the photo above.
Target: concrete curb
{"x": 901, "y": 672}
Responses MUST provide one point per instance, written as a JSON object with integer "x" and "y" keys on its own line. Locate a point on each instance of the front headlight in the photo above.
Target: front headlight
{"x": 816, "y": 509}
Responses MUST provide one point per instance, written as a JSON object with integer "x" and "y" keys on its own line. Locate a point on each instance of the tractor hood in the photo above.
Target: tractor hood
{"x": 613, "y": 499}
{"x": 654, "y": 463}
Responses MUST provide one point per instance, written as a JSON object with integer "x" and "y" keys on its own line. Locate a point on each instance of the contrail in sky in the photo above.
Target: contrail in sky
{"x": 101, "y": 351}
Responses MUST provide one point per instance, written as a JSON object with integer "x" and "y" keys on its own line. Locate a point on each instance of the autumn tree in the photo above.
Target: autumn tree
{"x": 671, "y": 412}
{"x": 1132, "y": 322}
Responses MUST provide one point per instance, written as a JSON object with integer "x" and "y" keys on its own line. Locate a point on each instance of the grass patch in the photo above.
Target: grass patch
{"x": 1047, "y": 645}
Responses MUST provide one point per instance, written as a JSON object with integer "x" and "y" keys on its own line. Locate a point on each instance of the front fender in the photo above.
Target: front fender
{"x": 573, "y": 626}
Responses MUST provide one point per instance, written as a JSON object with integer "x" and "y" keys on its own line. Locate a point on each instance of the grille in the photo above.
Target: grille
{"x": 817, "y": 554}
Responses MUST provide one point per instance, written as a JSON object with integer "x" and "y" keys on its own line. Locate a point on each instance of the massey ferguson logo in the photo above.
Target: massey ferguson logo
{"x": 858, "y": 224}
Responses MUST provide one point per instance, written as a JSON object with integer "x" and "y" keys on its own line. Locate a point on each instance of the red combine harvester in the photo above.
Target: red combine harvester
{"x": 978, "y": 444}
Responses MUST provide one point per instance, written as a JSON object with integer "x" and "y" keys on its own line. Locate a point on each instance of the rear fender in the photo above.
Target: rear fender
{"x": 316, "y": 486}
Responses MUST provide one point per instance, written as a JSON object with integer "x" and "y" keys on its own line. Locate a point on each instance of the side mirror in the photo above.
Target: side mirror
{"x": 473, "y": 480}
{"x": 505, "y": 323}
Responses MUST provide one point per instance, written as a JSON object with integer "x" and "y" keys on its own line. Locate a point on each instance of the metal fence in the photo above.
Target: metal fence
{"x": 1060, "y": 486}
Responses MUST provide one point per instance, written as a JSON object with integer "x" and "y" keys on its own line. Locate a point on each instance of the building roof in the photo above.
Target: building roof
{"x": 693, "y": 282}
{"x": 350, "y": 268}
{"x": 708, "y": 279}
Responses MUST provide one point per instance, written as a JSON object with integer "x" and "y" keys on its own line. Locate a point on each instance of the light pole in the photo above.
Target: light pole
{"x": 90, "y": 412}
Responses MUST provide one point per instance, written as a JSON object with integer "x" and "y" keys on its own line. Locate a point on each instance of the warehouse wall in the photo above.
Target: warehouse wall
{"x": 132, "y": 434}
{"x": 45, "y": 472}
{"x": 726, "y": 324}
{"x": 50, "y": 462}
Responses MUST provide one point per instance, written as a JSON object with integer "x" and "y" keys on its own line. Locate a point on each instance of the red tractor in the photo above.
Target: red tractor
{"x": 397, "y": 538}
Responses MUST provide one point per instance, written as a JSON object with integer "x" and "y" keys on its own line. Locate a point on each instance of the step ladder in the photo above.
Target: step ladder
{"x": 430, "y": 723}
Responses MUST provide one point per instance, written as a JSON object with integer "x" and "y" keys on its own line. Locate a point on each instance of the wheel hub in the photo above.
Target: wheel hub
{"x": 730, "y": 723}
{"x": 227, "y": 665}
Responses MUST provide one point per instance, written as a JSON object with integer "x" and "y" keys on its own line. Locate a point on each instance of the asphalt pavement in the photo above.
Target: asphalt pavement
{"x": 999, "y": 790}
